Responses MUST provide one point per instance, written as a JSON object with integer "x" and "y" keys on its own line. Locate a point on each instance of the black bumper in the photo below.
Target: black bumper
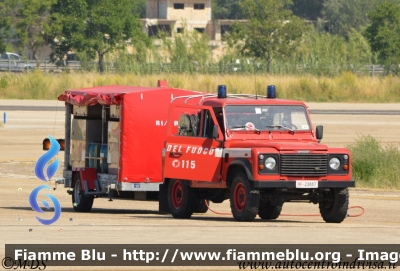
{"x": 292, "y": 184}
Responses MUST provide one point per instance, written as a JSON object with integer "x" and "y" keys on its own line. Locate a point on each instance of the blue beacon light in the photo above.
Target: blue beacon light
{"x": 271, "y": 92}
{"x": 221, "y": 91}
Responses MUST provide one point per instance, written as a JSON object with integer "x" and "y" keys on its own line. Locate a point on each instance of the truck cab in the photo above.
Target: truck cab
{"x": 258, "y": 152}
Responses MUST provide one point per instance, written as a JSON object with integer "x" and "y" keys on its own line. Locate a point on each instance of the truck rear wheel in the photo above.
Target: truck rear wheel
{"x": 334, "y": 207}
{"x": 268, "y": 210}
{"x": 80, "y": 202}
{"x": 181, "y": 199}
{"x": 201, "y": 206}
{"x": 244, "y": 198}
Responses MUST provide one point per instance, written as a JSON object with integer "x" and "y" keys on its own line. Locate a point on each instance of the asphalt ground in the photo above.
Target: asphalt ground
{"x": 137, "y": 222}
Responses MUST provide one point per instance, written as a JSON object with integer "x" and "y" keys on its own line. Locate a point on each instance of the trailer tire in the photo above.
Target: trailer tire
{"x": 334, "y": 207}
{"x": 181, "y": 199}
{"x": 201, "y": 206}
{"x": 268, "y": 210}
{"x": 80, "y": 202}
{"x": 244, "y": 198}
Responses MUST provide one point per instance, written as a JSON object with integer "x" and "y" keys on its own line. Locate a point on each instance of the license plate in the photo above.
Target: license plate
{"x": 306, "y": 184}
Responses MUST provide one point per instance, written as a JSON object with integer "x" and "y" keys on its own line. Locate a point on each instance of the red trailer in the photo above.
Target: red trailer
{"x": 114, "y": 136}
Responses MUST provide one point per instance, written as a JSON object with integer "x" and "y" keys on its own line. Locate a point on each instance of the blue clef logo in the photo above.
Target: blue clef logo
{"x": 47, "y": 158}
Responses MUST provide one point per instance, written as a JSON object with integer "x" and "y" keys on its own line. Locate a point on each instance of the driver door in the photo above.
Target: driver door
{"x": 195, "y": 156}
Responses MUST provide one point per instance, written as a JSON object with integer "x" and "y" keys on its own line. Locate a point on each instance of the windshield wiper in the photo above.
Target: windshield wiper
{"x": 245, "y": 127}
{"x": 281, "y": 126}
{"x": 239, "y": 126}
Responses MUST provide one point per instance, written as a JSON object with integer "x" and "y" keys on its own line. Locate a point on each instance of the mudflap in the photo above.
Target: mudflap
{"x": 163, "y": 199}
{"x": 89, "y": 176}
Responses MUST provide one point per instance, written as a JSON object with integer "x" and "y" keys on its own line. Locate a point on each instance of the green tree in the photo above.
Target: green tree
{"x": 226, "y": 9}
{"x": 272, "y": 30}
{"x": 33, "y": 24}
{"x": 5, "y": 22}
{"x": 95, "y": 27}
{"x": 343, "y": 15}
{"x": 308, "y": 9}
{"x": 187, "y": 47}
{"x": 321, "y": 49}
{"x": 384, "y": 32}
{"x": 139, "y": 8}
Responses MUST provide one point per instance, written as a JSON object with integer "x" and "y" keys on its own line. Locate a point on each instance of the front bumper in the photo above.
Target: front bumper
{"x": 292, "y": 184}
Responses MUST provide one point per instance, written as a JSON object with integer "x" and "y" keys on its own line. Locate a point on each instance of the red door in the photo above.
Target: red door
{"x": 194, "y": 155}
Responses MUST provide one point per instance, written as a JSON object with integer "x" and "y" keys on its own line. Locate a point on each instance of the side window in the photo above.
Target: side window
{"x": 208, "y": 124}
{"x": 4, "y": 56}
{"x": 197, "y": 123}
{"x": 220, "y": 119}
{"x": 14, "y": 57}
{"x": 188, "y": 125}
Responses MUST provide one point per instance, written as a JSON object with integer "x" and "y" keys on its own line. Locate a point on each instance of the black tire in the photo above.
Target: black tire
{"x": 163, "y": 207}
{"x": 181, "y": 199}
{"x": 268, "y": 210}
{"x": 201, "y": 206}
{"x": 244, "y": 198}
{"x": 80, "y": 202}
{"x": 334, "y": 207}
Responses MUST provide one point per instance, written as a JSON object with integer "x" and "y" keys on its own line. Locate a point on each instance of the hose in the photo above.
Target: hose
{"x": 351, "y": 207}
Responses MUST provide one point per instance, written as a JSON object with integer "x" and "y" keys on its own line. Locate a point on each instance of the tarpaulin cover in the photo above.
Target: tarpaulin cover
{"x": 144, "y": 116}
{"x": 104, "y": 95}
{"x": 144, "y": 119}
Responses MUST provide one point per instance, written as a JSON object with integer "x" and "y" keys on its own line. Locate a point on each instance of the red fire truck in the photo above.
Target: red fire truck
{"x": 184, "y": 148}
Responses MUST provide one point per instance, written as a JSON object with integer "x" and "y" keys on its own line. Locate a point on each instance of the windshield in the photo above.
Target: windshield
{"x": 266, "y": 117}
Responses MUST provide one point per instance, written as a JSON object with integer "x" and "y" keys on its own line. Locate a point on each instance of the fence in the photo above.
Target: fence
{"x": 44, "y": 66}
{"x": 232, "y": 67}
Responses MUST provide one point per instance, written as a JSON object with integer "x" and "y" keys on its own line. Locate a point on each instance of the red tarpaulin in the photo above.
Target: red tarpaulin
{"x": 105, "y": 95}
{"x": 144, "y": 116}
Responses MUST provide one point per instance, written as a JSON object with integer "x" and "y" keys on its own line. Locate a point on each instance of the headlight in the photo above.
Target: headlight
{"x": 334, "y": 163}
{"x": 270, "y": 163}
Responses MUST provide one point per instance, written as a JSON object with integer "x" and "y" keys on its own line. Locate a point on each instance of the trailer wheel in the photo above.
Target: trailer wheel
{"x": 181, "y": 199}
{"x": 201, "y": 206}
{"x": 244, "y": 198}
{"x": 334, "y": 207}
{"x": 268, "y": 210}
{"x": 80, "y": 202}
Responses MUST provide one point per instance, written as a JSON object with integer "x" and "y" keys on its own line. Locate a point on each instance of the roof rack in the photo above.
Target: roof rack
{"x": 204, "y": 96}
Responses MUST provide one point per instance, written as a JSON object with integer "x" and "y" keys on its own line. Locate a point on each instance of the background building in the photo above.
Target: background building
{"x": 175, "y": 16}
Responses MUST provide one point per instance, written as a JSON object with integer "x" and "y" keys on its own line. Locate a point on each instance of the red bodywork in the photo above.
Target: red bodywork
{"x": 143, "y": 120}
{"x": 241, "y": 148}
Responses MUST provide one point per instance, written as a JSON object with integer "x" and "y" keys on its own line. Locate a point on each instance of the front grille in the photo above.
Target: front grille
{"x": 304, "y": 165}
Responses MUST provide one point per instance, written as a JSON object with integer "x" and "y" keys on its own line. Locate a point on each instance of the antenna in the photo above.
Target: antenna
{"x": 255, "y": 85}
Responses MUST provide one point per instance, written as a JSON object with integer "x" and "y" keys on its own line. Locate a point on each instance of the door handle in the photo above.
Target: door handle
{"x": 178, "y": 154}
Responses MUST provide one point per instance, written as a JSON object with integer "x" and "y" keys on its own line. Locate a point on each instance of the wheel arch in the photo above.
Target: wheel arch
{"x": 238, "y": 164}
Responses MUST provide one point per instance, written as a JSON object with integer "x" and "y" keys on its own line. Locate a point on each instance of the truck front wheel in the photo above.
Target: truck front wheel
{"x": 80, "y": 202}
{"x": 334, "y": 207}
{"x": 244, "y": 198}
{"x": 181, "y": 199}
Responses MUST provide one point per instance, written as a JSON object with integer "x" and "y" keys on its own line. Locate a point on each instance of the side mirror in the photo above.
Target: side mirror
{"x": 215, "y": 131}
{"x": 319, "y": 132}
